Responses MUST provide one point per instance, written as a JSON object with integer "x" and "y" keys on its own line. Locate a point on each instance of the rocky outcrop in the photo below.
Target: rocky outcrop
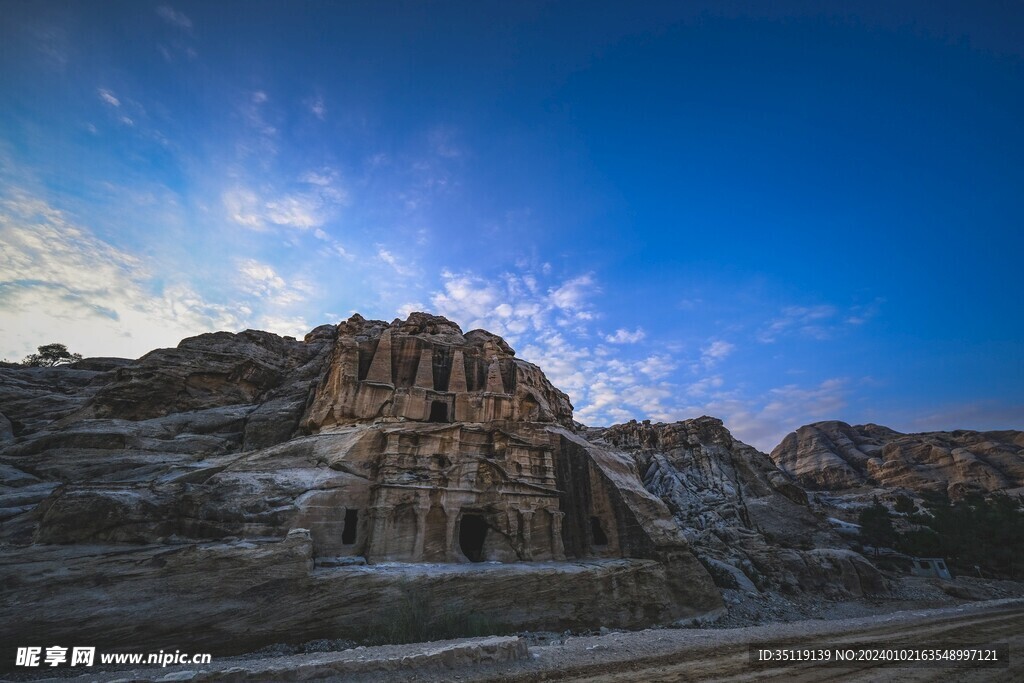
{"x": 280, "y": 481}
{"x": 836, "y": 456}
{"x": 31, "y": 398}
{"x": 749, "y": 522}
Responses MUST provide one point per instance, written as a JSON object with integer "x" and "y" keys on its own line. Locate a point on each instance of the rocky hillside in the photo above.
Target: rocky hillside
{"x": 245, "y": 489}
{"x": 836, "y": 456}
{"x": 748, "y": 521}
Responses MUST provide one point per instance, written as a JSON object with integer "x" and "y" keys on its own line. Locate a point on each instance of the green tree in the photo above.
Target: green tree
{"x": 976, "y": 531}
{"x": 876, "y": 526}
{"x": 49, "y": 355}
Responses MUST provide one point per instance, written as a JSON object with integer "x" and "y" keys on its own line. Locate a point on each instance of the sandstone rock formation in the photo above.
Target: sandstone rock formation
{"x": 748, "y": 521}
{"x": 835, "y": 456}
{"x": 424, "y": 369}
{"x": 247, "y": 488}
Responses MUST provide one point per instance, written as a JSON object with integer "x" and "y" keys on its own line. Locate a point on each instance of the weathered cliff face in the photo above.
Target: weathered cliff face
{"x": 835, "y": 456}
{"x": 749, "y": 521}
{"x": 372, "y": 443}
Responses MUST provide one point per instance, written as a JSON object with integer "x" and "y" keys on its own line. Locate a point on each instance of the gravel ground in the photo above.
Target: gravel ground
{"x": 745, "y": 612}
{"x": 908, "y": 593}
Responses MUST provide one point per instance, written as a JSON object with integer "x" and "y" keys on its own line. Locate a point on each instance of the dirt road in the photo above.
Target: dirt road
{"x": 723, "y": 655}
{"x": 656, "y": 655}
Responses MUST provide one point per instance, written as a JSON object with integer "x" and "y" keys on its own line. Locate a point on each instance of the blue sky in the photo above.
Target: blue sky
{"x": 773, "y": 213}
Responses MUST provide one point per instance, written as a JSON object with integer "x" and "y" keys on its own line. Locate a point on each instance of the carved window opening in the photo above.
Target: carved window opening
{"x": 597, "y": 532}
{"x": 472, "y": 533}
{"x": 438, "y": 411}
{"x": 348, "y": 535}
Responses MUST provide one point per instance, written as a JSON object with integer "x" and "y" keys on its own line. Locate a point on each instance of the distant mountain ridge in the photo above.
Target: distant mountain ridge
{"x": 834, "y": 455}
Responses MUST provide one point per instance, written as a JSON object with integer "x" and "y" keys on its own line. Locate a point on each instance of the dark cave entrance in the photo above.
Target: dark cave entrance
{"x": 438, "y": 411}
{"x": 597, "y": 533}
{"x": 472, "y": 532}
{"x": 348, "y": 535}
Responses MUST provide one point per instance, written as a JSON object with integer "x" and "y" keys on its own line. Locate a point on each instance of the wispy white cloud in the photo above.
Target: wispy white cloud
{"x": 317, "y": 107}
{"x": 276, "y": 300}
{"x": 262, "y": 281}
{"x": 858, "y": 315}
{"x": 294, "y": 326}
{"x": 624, "y": 336}
{"x": 657, "y": 366}
{"x": 302, "y": 209}
{"x": 174, "y": 49}
{"x": 332, "y": 247}
{"x": 816, "y": 322}
{"x": 396, "y": 264}
{"x": 174, "y": 17}
{"x": 704, "y": 386}
{"x": 412, "y": 307}
{"x": 572, "y": 296}
{"x": 256, "y": 141}
{"x": 716, "y": 351}
{"x": 60, "y": 282}
{"x": 508, "y": 305}
{"x": 294, "y": 211}
{"x": 807, "y": 320}
{"x": 108, "y": 97}
{"x": 244, "y": 208}
{"x": 53, "y": 45}
{"x": 324, "y": 178}
{"x": 443, "y": 142}
{"x": 764, "y": 420}
{"x": 690, "y": 304}
{"x": 326, "y": 185}
{"x": 128, "y": 112}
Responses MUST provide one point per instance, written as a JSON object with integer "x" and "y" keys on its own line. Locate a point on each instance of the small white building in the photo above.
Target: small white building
{"x": 934, "y": 567}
